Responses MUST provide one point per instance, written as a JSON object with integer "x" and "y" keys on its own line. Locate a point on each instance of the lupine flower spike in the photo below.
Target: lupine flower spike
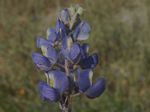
{"x": 66, "y": 61}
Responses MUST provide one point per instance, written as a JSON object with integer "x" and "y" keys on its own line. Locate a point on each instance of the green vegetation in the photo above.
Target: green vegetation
{"x": 120, "y": 34}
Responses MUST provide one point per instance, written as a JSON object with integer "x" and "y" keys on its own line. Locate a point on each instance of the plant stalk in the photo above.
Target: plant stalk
{"x": 65, "y": 105}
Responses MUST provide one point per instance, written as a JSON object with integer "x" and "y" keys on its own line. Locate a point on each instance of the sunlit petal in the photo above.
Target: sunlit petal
{"x": 41, "y": 61}
{"x": 52, "y": 35}
{"x": 74, "y": 54}
{"x": 61, "y": 82}
{"x": 42, "y": 42}
{"x": 48, "y": 93}
{"x": 52, "y": 54}
{"x": 82, "y": 31}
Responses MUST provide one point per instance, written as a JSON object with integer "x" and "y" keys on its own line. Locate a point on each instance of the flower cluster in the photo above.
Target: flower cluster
{"x": 65, "y": 59}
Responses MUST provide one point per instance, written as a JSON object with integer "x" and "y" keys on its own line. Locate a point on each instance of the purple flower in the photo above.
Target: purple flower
{"x": 96, "y": 89}
{"x": 84, "y": 50}
{"x": 66, "y": 61}
{"x": 58, "y": 85}
{"x": 42, "y": 42}
{"x": 85, "y": 85}
{"x": 73, "y": 53}
{"x": 47, "y": 49}
{"x": 89, "y": 61}
{"x": 41, "y": 61}
{"x": 84, "y": 79}
{"x": 52, "y": 35}
{"x": 82, "y": 31}
{"x": 65, "y": 16}
{"x": 60, "y": 27}
{"x": 48, "y": 93}
{"x": 60, "y": 81}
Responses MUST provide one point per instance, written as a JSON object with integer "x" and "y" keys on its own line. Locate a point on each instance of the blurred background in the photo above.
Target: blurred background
{"x": 120, "y": 34}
